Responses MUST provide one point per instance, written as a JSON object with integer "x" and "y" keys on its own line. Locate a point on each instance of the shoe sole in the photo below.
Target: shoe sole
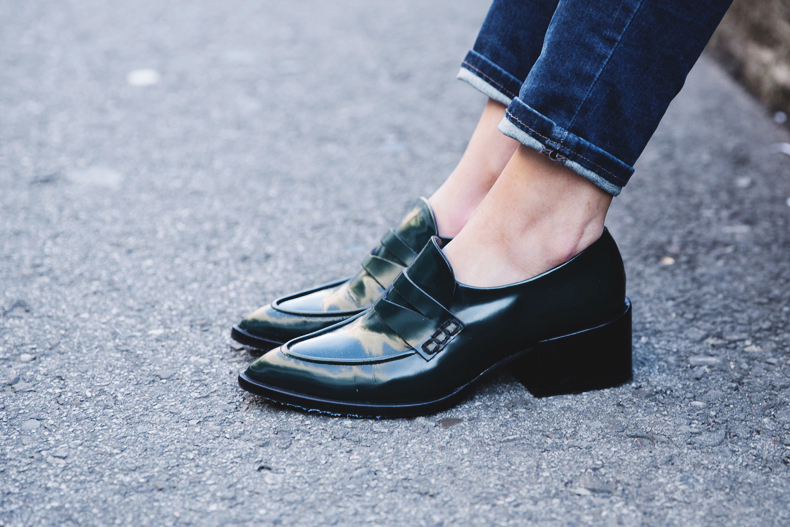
{"x": 591, "y": 359}
{"x": 242, "y": 337}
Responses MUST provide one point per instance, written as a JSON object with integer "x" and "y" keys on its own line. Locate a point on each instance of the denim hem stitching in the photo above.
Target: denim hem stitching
{"x": 550, "y": 141}
{"x": 510, "y": 129}
{"x": 502, "y": 88}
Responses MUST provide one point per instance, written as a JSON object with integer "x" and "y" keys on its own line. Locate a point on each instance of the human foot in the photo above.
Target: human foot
{"x": 538, "y": 214}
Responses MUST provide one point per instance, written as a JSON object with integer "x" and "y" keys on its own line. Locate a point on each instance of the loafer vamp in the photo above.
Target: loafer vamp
{"x": 363, "y": 361}
{"x": 319, "y": 302}
{"x": 276, "y": 325}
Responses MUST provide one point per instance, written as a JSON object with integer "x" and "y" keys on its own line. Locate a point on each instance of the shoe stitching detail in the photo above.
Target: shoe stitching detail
{"x": 441, "y": 337}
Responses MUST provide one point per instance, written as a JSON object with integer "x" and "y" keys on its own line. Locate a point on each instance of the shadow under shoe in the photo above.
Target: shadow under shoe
{"x": 314, "y": 309}
{"x": 429, "y": 340}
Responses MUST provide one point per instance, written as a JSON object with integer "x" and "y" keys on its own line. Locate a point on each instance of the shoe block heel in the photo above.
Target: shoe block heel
{"x": 591, "y": 359}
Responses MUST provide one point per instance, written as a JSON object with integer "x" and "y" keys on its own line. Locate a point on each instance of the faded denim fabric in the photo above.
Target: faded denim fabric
{"x": 588, "y": 81}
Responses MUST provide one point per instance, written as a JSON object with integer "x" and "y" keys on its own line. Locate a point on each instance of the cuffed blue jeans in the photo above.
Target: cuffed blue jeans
{"x": 587, "y": 81}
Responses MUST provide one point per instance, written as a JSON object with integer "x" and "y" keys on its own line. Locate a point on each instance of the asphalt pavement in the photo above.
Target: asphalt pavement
{"x": 167, "y": 167}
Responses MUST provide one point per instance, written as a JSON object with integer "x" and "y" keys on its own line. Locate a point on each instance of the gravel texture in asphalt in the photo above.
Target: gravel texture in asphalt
{"x": 165, "y": 168}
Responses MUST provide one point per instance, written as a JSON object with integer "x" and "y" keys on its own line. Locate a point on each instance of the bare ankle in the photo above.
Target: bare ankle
{"x": 538, "y": 215}
{"x": 484, "y": 159}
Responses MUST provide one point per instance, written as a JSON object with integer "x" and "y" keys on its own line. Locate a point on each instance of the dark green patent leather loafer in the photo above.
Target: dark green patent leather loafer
{"x": 429, "y": 339}
{"x": 314, "y": 309}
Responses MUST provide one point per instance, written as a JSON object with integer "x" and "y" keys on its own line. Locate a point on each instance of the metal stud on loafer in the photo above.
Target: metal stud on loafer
{"x": 307, "y": 311}
{"x": 429, "y": 340}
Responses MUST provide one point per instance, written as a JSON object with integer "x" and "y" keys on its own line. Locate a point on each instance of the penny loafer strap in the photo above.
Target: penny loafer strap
{"x": 422, "y": 301}
{"x": 383, "y": 271}
{"x": 399, "y": 248}
{"x": 428, "y": 329}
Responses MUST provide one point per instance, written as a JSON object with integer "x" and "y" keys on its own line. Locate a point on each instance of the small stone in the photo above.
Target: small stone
{"x": 740, "y": 430}
{"x": 22, "y": 386}
{"x": 156, "y": 332}
{"x": 743, "y": 182}
{"x": 714, "y": 396}
{"x": 595, "y": 484}
{"x": 12, "y": 380}
{"x": 273, "y": 479}
{"x": 780, "y": 118}
{"x": 580, "y": 491}
{"x": 380, "y": 428}
{"x": 142, "y": 77}
{"x": 236, "y": 346}
{"x": 361, "y": 472}
{"x": 166, "y": 373}
{"x": 736, "y": 229}
{"x": 17, "y": 309}
{"x": 62, "y": 452}
{"x": 698, "y": 404}
{"x": 667, "y": 260}
{"x": 710, "y": 439}
{"x": 696, "y": 335}
{"x": 26, "y": 357}
{"x": 95, "y": 176}
{"x": 450, "y": 421}
{"x": 702, "y": 360}
{"x": 30, "y": 424}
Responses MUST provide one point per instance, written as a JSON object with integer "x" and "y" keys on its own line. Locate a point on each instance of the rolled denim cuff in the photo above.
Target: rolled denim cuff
{"x": 488, "y": 78}
{"x": 532, "y": 129}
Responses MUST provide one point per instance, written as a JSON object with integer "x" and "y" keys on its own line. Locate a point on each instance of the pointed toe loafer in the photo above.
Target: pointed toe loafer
{"x": 429, "y": 339}
{"x": 314, "y": 309}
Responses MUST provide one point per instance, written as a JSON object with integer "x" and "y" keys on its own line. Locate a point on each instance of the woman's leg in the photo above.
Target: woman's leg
{"x": 485, "y": 157}
{"x": 592, "y": 100}
{"x": 505, "y": 50}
